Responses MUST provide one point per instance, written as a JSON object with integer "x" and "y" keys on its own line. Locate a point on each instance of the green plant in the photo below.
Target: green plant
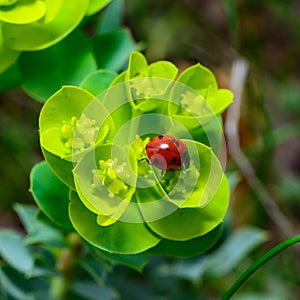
{"x": 95, "y": 146}
{"x": 100, "y": 205}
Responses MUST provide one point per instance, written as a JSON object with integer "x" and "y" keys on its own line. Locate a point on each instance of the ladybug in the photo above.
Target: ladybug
{"x": 168, "y": 153}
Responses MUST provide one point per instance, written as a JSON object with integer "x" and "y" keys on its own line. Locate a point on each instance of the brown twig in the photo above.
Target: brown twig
{"x": 238, "y": 77}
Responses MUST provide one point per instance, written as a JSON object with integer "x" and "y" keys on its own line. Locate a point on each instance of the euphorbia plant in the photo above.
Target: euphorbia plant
{"x": 93, "y": 138}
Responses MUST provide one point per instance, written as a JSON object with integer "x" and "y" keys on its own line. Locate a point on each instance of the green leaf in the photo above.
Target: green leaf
{"x": 15, "y": 284}
{"x": 10, "y": 78}
{"x": 53, "y": 7}
{"x": 120, "y": 237}
{"x": 7, "y": 2}
{"x": 116, "y": 102}
{"x": 93, "y": 291}
{"x": 23, "y": 12}
{"x": 40, "y": 35}
{"x": 96, "y": 5}
{"x": 234, "y": 250}
{"x": 137, "y": 65}
{"x": 61, "y": 168}
{"x": 98, "y": 81}
{"x": 14, "y": 252}
{"x": 113, "y": 49}
{"x": 188, "y": 248}
{"x": 38, "y": 232}
{"x": 211, "y": 134}
{"x": 188, "y": 223}
{"x": 148, "y": 85}
{"x": 51, "y": 195}
{"x": 197, "y": 99}
{"x": 111, "y": 18}
{"x": 134, "y": 261}
{"x": 219, "y": 100}
{"x": 7, "y": 56}
{"x": 210, "y": 176}
{"x": 198, "y": 78}
{"x": 66, "y": 63}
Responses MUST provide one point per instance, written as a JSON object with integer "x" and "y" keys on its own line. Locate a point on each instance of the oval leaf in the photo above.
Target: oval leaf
{"x": 51, "y": 194}
{"x": 188, "y": 223}
{"x": 14, "y": 252}
{"x": 66, "y": 63}
{"x": 23, "y": 12}
{"x": 39, "y": 35}
{"x": 120, "y": 237}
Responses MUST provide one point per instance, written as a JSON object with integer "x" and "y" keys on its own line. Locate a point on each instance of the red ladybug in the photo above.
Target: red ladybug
{"x": 168, "y": 153}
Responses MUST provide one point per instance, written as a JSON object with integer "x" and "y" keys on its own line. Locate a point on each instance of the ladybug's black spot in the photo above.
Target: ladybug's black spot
{"x": 146, "y": 146}
{"x": 176, "y": 143}
{"x": 174, "y": 159}
{"x": 160, "y": 137}
{"x": 155, "y": 161}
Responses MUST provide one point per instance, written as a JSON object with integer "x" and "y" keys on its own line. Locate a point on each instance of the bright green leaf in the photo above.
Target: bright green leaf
{"x": 137, "y": 65}
{"x": 219, "y": 100}
{"x": 7, "y": 2}
{"x": 198, "y": 78}
{"x": 188, "y": 223}
{"x": 7, "y": 56}
{"x": 23, "y": 12}
{"x": 53, "y": 7}
{"x": 39, "y": 35}
{"x": 77, "y": 113}
{"x": 120, "y": 237}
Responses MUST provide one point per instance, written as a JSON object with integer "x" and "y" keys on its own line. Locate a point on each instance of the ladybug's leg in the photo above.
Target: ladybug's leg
{"x": 145, "y": 158}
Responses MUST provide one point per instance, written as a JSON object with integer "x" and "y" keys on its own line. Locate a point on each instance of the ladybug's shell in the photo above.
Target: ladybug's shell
{"x": 167, "y": 153}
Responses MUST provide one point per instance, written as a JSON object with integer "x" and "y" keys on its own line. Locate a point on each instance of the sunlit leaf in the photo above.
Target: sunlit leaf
{"x": 39, "y": 35}
{"x": 23, "y": 12}
{"x": 120, "y": 237}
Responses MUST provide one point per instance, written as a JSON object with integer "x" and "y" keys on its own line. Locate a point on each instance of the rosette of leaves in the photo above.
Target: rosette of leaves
{"x": 116, "y": 200}
{"x": 30, "y": 25}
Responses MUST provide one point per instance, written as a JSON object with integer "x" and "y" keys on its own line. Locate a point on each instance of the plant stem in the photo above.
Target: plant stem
{"x": 257, "y": 264}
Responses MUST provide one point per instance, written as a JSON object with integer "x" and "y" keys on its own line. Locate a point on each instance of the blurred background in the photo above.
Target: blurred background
{"x": 215, "y": 33}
